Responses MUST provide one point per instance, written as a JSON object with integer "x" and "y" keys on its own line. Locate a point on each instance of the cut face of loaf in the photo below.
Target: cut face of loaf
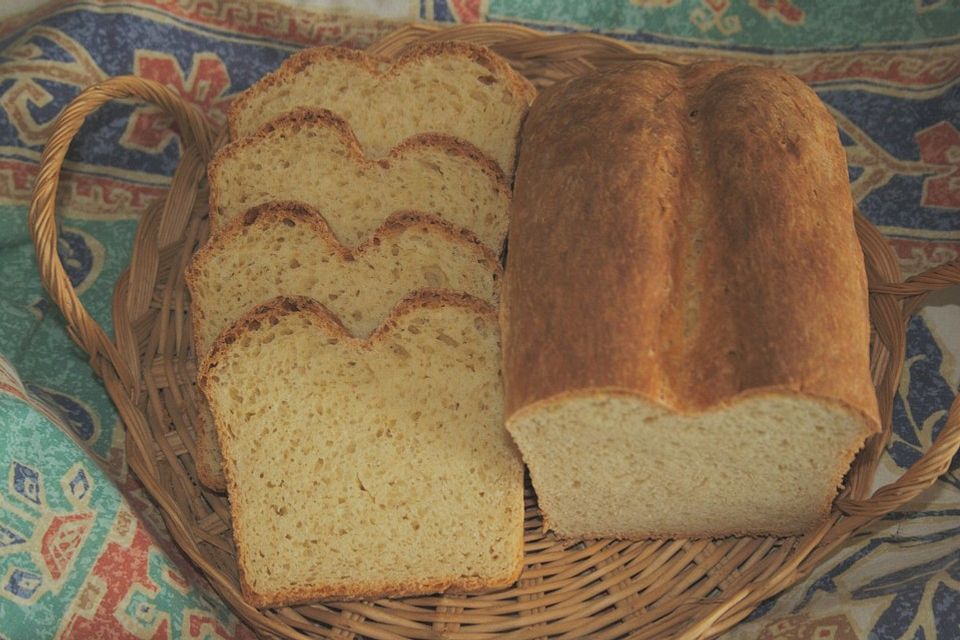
{"x": 288, "y": 249}
{"x": 367, "y": 468}
{"x": 686, "y": 333}
{"x": 453, "y": 88}
{"x": 758, "y": 465}
{"x": 312, "y": 157}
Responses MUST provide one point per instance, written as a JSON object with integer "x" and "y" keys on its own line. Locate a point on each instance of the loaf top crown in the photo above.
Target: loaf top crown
{"x": 686, "y": 233}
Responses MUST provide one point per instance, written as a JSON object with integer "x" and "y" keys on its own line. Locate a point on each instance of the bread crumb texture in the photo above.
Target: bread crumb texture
{"x": 287, "y": 249}
{"x": 361, "y": 468}
{"x": 621, "y": 466}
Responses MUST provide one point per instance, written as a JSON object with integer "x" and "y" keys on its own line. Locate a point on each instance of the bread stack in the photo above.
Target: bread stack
{"x": 345, "y": 319}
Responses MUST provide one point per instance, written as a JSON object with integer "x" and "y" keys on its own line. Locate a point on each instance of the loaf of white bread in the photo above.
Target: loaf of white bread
{"x": 455, "y": 88}
{"x": 367, "y": 467}
{"x": 289, "y": 249}
{"x": 312, "y": 157}
{"x": 685, "y": 306}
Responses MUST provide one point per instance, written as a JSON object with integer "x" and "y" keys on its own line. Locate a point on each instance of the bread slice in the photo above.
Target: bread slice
{"x": 361, "y": 468}
{"x": 288, "y": 249}
{"x": 686, "y": 325}
{"x": 313, "y": 157}
{"x": 285, "y": 248}
{"x": 454, "y": 88}
{"x": 209, "y": 462}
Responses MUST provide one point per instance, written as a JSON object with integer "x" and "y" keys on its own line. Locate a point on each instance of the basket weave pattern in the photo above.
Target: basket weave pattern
{"x": 599, "y": 588}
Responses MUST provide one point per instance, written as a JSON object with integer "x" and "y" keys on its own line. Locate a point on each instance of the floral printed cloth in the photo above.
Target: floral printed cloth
{"x": 83, "y": 554}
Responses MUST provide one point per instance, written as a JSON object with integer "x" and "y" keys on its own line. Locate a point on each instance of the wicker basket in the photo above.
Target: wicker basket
{"x": 598, "y": 588}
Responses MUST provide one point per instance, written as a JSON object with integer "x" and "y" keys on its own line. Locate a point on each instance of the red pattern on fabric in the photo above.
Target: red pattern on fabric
{"x": 466, "y": 11}
{"x": 205, "y": 86}
{"x": 62, "y": 540}
{"x": 804, "y": 627}
{"x": 940, "y": 144}
{"x": 119, "y": 567}
{"x": 895, "y": 69}
{"x": 79, "y": 193}
{"x": 784, "y": 10}
{"x": 274, "y": 20}
{"x": 916, "y": 255}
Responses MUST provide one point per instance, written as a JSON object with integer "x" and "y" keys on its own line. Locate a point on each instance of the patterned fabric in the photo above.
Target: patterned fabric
{"x": 76, "y": 559}
{"x": 82, "y": 552}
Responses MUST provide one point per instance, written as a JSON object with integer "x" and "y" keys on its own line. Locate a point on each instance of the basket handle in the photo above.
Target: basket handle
{"x": 935, "y": 460}
{"x": 194, "y": 131}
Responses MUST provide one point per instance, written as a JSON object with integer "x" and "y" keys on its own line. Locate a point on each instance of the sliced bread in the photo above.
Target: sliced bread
{"x": 312, "y": 157}
{"x": 284, "y": 248}
{"x": 361, "y": 468}
{"x": 454, "y": 88}
{"x": 288, "y": 249}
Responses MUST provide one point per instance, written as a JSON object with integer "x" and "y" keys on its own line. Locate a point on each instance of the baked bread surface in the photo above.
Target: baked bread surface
{"x": 686, "y": 334}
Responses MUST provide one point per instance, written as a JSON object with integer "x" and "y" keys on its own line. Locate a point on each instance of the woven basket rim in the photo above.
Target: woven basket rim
{"x": 603, "y": 588}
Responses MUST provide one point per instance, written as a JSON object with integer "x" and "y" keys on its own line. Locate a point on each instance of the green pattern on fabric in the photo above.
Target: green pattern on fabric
{"x": 32, "y": 332}
{"x": 808, "y": 25}
{"x": 29, "y": 440}
{"x": 66, "y": 530}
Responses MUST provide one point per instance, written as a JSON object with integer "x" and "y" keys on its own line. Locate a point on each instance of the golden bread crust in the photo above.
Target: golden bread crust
{"x": 209, "y": 464}
{"x": 698, "y": 222}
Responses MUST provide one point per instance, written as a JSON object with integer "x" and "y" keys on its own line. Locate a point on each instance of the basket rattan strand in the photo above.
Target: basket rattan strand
{"x": 598, "y": 588}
